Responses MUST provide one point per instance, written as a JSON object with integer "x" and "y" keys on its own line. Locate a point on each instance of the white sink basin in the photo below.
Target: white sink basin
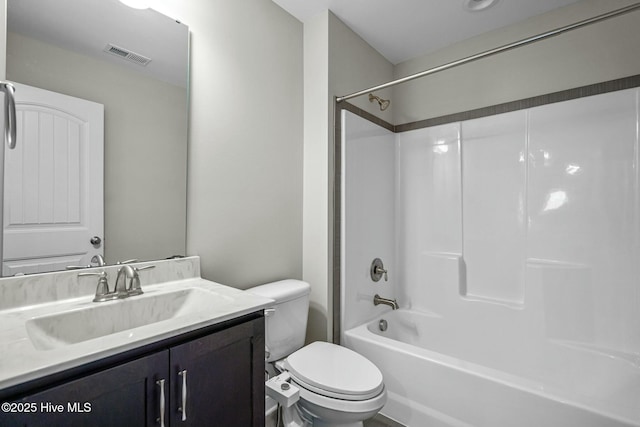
{"x": 106, "y": 318}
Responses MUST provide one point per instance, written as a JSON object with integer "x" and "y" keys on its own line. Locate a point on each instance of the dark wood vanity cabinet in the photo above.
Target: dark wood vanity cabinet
{"x": 124, "y": 395}
{"x": 220, "y": 359}
{"x": 220, "y": 376}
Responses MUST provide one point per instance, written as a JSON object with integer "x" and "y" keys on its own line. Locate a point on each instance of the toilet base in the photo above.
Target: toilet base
{"x": 319, "y": 423}
{"x": 296, "y": 417}
{"x": 292, "y": 417}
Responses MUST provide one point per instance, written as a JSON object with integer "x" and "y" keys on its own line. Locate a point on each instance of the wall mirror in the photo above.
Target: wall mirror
{"x": 87, "y": 71}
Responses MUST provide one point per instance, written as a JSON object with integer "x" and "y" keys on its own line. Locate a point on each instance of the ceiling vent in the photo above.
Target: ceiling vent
{"x": 127, "y": 54}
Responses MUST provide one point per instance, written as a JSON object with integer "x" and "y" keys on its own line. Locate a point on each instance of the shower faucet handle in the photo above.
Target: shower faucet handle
{"x": 377, "y": 270}
{"x": 380, "y": 270}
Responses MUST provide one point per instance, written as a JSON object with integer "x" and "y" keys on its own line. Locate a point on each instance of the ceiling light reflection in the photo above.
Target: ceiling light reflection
{"x": 440, "y": 149}
{"x": 555, "y": 200}
{"x": 572, "y": 169}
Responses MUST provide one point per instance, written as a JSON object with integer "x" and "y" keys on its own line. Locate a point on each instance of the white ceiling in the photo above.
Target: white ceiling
{"x": 405, "y": 29}
{"x": 86, "y": 26}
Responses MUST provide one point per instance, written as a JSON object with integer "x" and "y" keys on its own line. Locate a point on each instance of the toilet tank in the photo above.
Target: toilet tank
{"x": 286, "y": 326}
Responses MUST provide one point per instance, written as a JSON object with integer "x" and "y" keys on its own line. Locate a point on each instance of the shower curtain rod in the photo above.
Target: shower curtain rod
{"x": 496, "y": 50}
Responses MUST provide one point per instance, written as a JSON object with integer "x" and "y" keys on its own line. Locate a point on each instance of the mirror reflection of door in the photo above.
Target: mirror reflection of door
{"x": 53, "y": 188}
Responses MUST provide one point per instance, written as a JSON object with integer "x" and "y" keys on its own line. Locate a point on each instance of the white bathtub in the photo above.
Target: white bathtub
{"x": 438, "y": 375}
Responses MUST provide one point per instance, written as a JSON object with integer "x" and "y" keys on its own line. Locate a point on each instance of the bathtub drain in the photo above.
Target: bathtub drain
{"x": 382, "y": 325}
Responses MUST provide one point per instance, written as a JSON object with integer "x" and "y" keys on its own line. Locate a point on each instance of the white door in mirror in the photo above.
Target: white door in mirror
{"x": 53, "y": 185}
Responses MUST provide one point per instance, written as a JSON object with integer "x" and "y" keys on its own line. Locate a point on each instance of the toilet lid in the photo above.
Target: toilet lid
{"x": 335, "y": 371}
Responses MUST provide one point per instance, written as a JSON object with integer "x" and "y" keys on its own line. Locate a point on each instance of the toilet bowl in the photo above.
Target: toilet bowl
{"x": 337, "y": 386}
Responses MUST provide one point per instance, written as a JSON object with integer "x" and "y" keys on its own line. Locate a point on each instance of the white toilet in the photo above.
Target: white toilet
{"x": 337, "y": 386}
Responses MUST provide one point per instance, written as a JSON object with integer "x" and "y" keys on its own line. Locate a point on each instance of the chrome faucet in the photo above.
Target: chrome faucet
{"x": 98, "y": 259}
{"x": 128, "y": 272}
{"x": 377, "y": 299}
{"x": 125, "y": 272}
{"x": 121, "y": 288}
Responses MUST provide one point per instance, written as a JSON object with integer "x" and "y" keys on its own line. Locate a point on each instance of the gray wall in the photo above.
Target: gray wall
{"x": 599, "y": 52}
{"x": 3, "y": 40}
{"x": 245, "y": 139}
{"x": 145, "y": 144}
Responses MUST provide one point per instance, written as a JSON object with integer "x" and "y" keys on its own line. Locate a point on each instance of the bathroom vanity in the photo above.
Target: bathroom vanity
{"x": 197, "y": 358}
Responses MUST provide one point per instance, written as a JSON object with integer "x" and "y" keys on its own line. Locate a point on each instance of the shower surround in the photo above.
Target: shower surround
{"x": 513, "y": 246}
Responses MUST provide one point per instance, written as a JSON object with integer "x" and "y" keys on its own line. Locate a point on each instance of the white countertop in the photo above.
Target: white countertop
{"x": 21, "y": 361}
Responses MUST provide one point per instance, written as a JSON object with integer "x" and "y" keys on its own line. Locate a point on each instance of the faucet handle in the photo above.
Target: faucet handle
{"x": 102, "y": 290}
{"x": 134, "y": 284}
{"x": 93, "y": 273}
{"x": 380, "y": 270}
{"x": 377, "y": 270}
{"x": 129, "y": 261}
{"x": 78, "y": 267}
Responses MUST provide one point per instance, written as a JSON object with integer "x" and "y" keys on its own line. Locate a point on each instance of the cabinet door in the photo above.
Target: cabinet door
{"x": 224, "y": 379}
{"x": 126, "y": 395}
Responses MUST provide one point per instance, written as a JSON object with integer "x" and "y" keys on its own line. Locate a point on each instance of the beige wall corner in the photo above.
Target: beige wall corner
{"x": 337, "y": 61}
{"x": 316, "y": 177}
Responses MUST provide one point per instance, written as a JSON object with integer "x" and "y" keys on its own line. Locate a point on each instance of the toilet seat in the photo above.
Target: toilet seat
{"x": 335, "y": 372}
{"x": 318, "y": 405}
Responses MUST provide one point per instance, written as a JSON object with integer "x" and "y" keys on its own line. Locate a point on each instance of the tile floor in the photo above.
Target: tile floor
{"x": 377, "y": 421}
{"x": 380, "y": 421}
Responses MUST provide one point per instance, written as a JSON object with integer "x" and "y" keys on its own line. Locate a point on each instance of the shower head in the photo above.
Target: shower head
{"x": 384, "y": 103}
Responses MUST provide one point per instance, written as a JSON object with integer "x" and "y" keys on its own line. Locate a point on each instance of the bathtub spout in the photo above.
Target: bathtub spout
{"x": 377, "y": 299}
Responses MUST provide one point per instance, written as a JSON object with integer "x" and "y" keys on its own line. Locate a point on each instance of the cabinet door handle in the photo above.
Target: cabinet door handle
{"x": 162, "y": 403}
{"x": 183, "y": 408}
